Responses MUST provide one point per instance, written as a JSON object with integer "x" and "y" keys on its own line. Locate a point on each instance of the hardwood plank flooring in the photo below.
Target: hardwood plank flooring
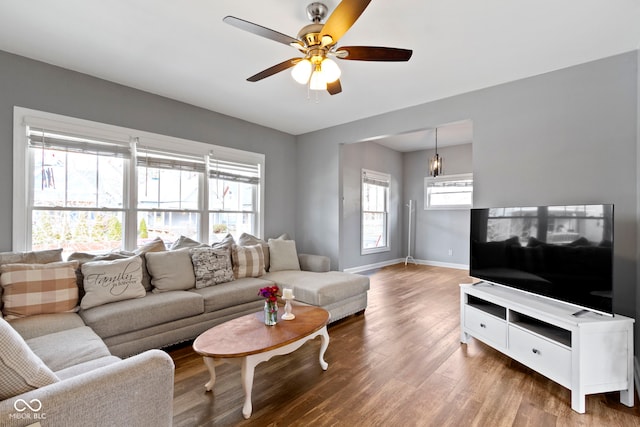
{"x": 399, "y": 364}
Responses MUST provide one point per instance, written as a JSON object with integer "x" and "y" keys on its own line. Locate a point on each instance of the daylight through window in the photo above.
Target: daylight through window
{"x": 85, "y": 192}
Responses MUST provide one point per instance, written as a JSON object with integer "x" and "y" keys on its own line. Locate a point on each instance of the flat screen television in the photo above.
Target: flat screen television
{"x": 560, "y": 252}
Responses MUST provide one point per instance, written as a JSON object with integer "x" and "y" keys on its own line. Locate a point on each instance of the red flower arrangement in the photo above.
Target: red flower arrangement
{"x": 270, "y": 293}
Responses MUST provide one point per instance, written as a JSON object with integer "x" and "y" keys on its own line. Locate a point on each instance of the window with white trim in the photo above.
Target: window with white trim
{"x": 88, "y": 187}
{"x": 448, "y": 192}
{"x": 375, "y": 212}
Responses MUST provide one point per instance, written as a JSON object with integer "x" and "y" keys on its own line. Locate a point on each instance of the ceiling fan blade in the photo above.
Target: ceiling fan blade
{"x": 373, "y": 53}
{"x": 342, "y": 18}
{"x": 334, "y": 88}
{"x": 262, "y": 31}
{"x": 274, "y": 70}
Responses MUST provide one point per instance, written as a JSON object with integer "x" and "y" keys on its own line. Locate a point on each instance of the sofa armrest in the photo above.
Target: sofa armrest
{"x": 316, "y": 263}
{"x": 137, "y": 391}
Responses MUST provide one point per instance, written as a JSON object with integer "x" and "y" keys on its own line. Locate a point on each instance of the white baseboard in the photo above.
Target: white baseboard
{"x": 368, "y": 267}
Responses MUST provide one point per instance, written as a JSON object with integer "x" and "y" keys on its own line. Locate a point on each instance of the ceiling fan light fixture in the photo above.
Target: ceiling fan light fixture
{"x": 330, "y": 70}
{"x": 301, "y": 72}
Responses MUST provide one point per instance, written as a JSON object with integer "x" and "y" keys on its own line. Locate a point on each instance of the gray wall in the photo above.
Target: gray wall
{"x": 40, "y": 86}
{"x": 369, "y": 155}
{"x": 563, "y": 137}
{"x": 437, "y": 231}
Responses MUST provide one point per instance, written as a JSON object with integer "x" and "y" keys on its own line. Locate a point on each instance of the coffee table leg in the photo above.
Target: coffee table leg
{"x": 247, "y": 371}
{"x": 211, "y": 366}
{"x": 324, "y": 336}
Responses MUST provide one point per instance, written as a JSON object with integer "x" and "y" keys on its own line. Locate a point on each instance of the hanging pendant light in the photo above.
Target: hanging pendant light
{"x": 435, "y": 164}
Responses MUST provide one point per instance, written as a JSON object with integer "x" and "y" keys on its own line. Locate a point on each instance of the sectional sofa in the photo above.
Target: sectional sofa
{"x": 106, "y": 351}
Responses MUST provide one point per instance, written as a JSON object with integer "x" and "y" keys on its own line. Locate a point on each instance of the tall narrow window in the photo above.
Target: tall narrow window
{"x": 375, "y": 211}
{"x": 168, "y": 195}
{"x": 77, "y": 191}
{"x": 233, "y": 197}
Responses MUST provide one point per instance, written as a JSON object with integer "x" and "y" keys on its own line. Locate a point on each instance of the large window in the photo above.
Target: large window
{"x": 88, "y": 187}
{"x": 375, "y": 211}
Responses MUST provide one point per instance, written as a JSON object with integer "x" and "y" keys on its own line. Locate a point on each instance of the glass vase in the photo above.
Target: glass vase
{"x": 270, "y": 313}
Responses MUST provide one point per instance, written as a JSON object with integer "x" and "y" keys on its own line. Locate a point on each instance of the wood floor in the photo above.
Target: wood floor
{"x": 400, "y": 364}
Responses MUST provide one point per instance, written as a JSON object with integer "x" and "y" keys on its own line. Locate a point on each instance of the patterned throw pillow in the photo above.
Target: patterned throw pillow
{"x": 211, "y": 266}
{"x": 110, "y": 281}
{"x": 21, "y": 370}
{"x": 248, "y": 261}
{"x": 38, "y": 288}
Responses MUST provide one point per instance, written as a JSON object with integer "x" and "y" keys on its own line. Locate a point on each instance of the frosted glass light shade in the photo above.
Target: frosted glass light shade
{"x": 302, "y": 71}
{"x": 317, "y": 81}
{"x": 330, "y": 70}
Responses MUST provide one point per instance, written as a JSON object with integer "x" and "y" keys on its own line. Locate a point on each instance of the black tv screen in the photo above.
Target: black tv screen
{"x": 560, "y": 252}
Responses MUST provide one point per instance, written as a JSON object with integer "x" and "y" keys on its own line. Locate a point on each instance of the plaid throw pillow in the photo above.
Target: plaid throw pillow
{"x": 38, "y": 288}
{"x": 248, "y": 261}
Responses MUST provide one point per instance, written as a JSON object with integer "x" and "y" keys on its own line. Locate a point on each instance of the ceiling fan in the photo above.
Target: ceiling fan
{"x": 317, "y": 42}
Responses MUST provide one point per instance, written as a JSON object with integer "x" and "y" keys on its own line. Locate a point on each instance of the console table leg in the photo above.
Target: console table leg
{"x": 211, "y": 366}
{"x": 324, "y": 336}
{"x": 578, "y": 402}
{"x": 247, "y": 371}
{"x": 627, "y": 397}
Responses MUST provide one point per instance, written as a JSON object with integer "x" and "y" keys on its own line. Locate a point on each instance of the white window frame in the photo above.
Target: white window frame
{"x": 445, "y": 180}
{"x": 383, "y": 177}
{"x": 22, "y": 185}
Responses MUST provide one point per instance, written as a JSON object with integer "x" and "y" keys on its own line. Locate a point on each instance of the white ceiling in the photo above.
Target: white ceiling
{"x": 183, "y": 50}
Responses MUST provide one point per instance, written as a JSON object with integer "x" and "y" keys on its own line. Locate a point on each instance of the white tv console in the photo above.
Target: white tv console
{"x": 589, "y": 353}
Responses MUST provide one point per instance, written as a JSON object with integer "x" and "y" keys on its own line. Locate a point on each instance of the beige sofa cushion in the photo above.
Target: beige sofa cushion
{"x": 20, "y": 369}
{"x": 320, "y": 289}
{"x": 137, "y": 314}
{"x": 63, "y": 349}
{"x": 231, "y": 294}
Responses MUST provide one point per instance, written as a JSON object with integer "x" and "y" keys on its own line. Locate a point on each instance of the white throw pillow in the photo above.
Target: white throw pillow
{"x": 20, "y": 369}
{"x": 110, "y": 281}
{"x": 171, "y": 270}
{"x": 283, "y": 255}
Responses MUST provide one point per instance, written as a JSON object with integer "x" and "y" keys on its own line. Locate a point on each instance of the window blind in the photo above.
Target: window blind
{"x": 369, "y": 177}
{"x": 234, "y": 171}
{"x": 150, "y": 158}
{"x": 40, "y": 138}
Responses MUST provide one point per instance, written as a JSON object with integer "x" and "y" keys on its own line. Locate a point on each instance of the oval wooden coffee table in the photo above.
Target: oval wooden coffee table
{"x": 247, "y": 341}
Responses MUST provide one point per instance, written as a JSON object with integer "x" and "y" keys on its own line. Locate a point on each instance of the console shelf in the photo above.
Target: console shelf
{"x": 588, "y": 354}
